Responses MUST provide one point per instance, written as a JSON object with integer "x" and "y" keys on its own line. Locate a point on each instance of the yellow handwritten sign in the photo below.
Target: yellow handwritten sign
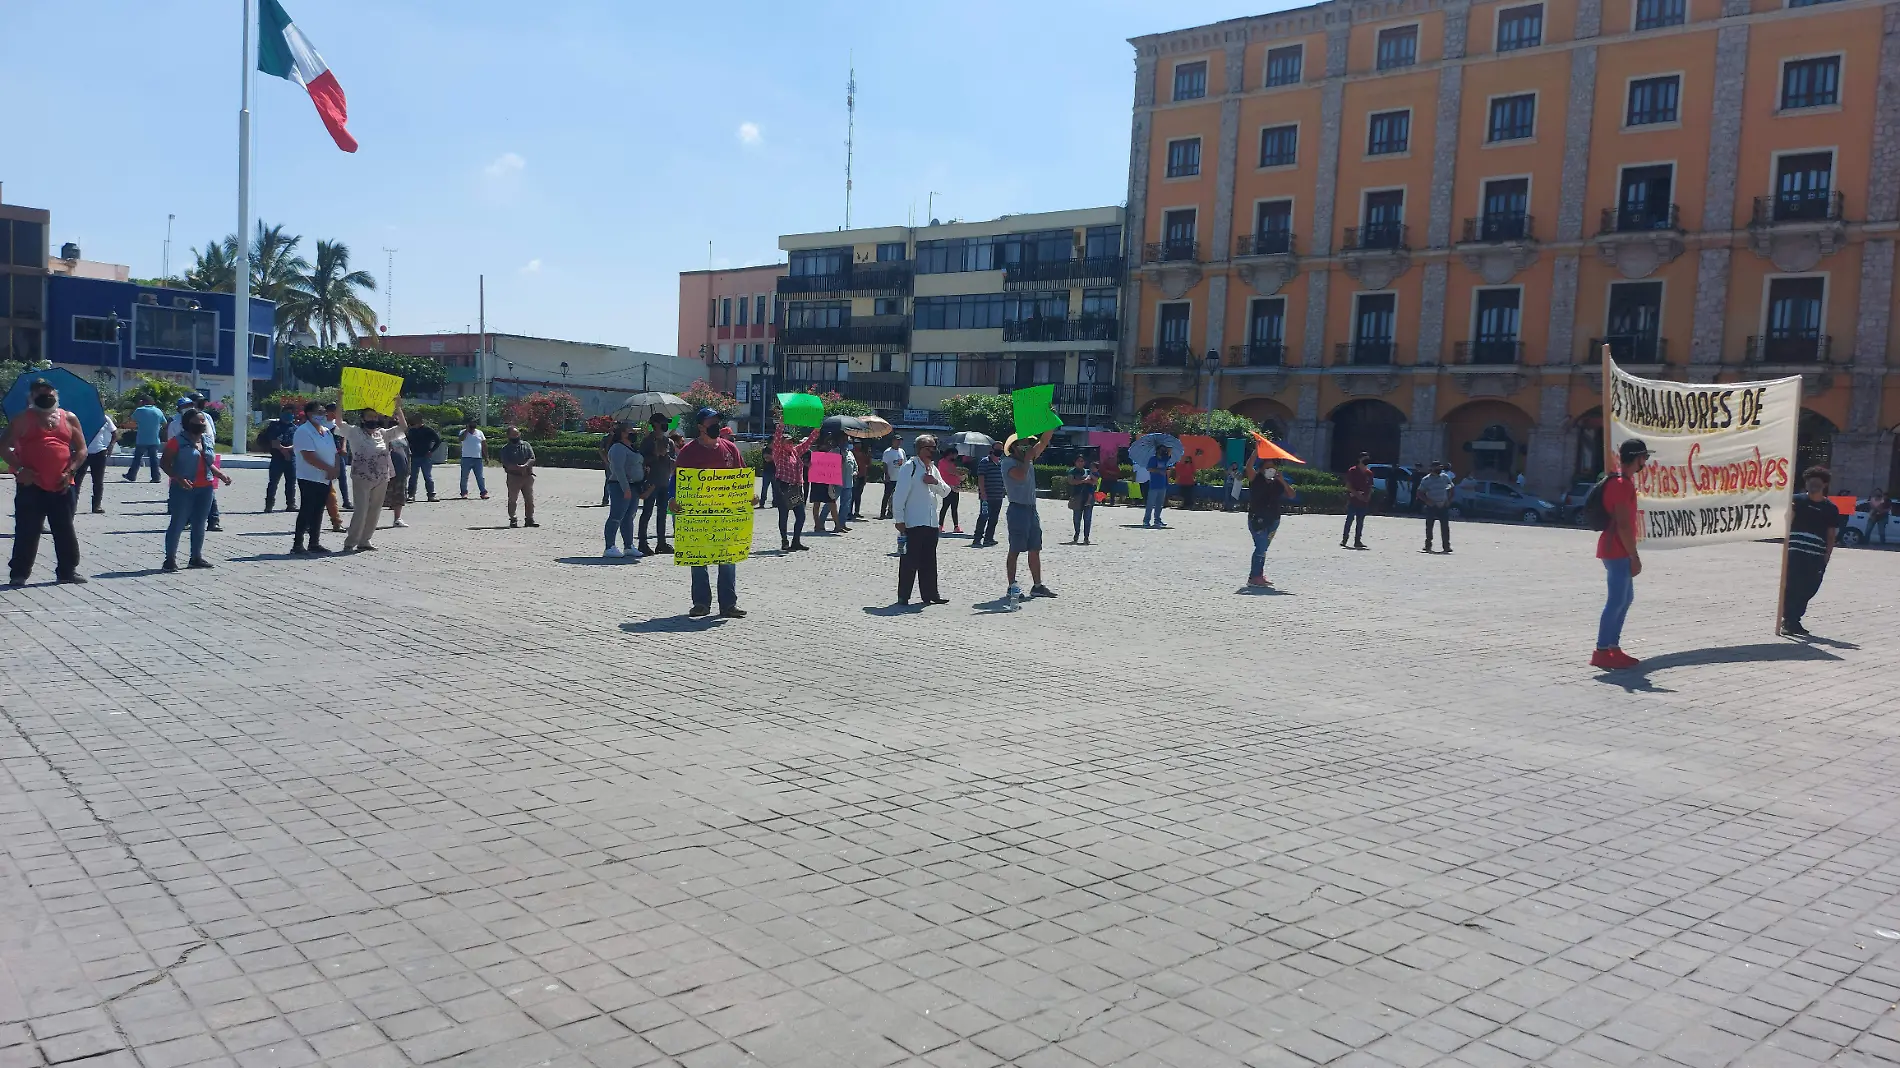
{"x": 364, "y": 388}
{"x": 714, "y": 524}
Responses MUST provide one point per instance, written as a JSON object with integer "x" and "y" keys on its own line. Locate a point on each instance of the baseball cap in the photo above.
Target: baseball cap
{"x": 705, "y": 414}
{"x": 184, "y": 402}
{"x": 1632, "y": 448}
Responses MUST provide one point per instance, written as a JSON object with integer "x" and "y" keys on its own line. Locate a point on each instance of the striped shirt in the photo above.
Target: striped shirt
{"x": 1813, "y": 520}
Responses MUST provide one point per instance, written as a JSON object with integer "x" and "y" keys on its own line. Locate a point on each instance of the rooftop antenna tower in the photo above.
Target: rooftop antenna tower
{"x": 850, "y": 136}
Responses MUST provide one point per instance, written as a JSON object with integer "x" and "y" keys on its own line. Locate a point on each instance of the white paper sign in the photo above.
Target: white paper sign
{"x": 1721, "y": 457}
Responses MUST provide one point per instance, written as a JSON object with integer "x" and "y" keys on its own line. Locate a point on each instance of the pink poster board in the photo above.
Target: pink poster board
{"x": 827, "y": 469}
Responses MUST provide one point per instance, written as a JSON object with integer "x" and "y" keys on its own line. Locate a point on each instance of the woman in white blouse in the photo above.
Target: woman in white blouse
{"x": 920, "y": 486}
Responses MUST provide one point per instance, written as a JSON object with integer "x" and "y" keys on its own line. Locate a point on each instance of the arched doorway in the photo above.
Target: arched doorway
{"x": 1487, "y": 439}
{"x": 1814, "y": 440}
{"x": 1271, "y": 416}
{"x": 1370, "y": 426}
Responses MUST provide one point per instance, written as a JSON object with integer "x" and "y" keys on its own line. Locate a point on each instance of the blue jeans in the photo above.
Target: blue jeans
{"x": 620, "y": 509}
{"x": 189, "y": 507}
{"x": 655, "y": 509}
{"x": 424, "y": 470}
{"x": 474, "y": 463}
{"x": 844, "y": 502}
{"x": 1157, "y": 499}
{"x": 728, "y": 587}
{"x": 1083, "y": 518}
{"x": 141, "y": 453}
{"x": 1261, "y": 540}
{"x": 1617, "y": 605}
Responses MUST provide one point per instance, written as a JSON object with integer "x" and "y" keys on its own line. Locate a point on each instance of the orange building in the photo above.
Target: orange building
{"x": 1406, "y": 227}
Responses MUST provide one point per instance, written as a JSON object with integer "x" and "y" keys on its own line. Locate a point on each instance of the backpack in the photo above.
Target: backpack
{"x": 1593, "y": 511}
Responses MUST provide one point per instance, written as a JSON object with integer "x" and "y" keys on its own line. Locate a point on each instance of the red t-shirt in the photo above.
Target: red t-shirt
{"x": 1618, "y": 493}
{"x": 720, "y": 454}
{"x": 1359, "y": 482}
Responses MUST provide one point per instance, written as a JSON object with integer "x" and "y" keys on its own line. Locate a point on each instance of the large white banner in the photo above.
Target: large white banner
{"x": 1721, "y": 457}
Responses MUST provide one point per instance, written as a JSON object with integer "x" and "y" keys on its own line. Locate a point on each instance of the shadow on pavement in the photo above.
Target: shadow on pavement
{"x": 673, "y": 625}
{"x": 259, "y": 558}
{"x": 160, "y": 530}
{"x": 1637, "y": 678}
{"x": 890, "y": 610}
{"x": 997, "y": 607}
{"x": 146, "y": 573}
{"x": 1263, "y": 591}
{"x": 595, "y": 561}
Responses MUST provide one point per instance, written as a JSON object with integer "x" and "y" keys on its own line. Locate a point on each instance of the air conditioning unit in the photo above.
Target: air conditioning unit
{"x": 149, "y": 299}
{"x": 185, "y": 302}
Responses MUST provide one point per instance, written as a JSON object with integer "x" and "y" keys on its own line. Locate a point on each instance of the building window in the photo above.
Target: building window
{"x": 1385, "y": 220}
{"x": 972, "y": 311}
{"x": 758, "y": 354}
{"x": 29, "y": 250}
{"x": 745, "y": 304}
{"x": 1513, "y": 118}
{"x": 803, "y": 315}
{"x": 26, "y": 344}
{"x": 884, "y": 362}
{"x": 1053, "y": 304}
{"x": 958, "y": 254}
{"x": 954, "y": 369}
{"x": 1273, "y": 227}
{"x": 1645, "y": 200}
{"x": 1653, "y": 100}
{"x": 26, "y": 296}
{"x": 1279, "y": 146}
{"x": 1654, "y": 14}
{"x": 1099, "y": 304}
{"x": 1102, "y": 242}
{"x": 817, "y": 369}
{"x": 725, "y": 311}
{"x": 1811, "y": 83}
{"x": 1794, "y": 320}
{"x": 1177, "y": 235}
{"x": 890, "y": 251}
{"x": 1506, "y": 210}
{"x": 1267, "y": 321}
{"x": 1389, "y": 132}
{"x": 819, "y": 261}
{"x": 1024, "y": 371}
{"x": 1520, "y": 27}
{"x": 887, "y": 306}
{"x": 1498, "y": 316}
{"x": 1184, "y": 158}
{"x": 92, "y": 328}
{"x": 1174, "y": 329}
{"x": 1190, "y": 80}
{"x": 758, "y": 310}
{"x": 1398, "y": 47}
{"x": 1373, "y": 323}
{"x": 1284, "y": 65}
{"x": 1804, "y": 186}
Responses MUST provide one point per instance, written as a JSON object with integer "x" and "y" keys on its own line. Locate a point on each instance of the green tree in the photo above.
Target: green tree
{"x": 276, "y": 270}
{"x": 326, "y": 299}
{"x": 213, "y": 268}
{"x": 985, "y": 413}
{"x": 323, "y": 367}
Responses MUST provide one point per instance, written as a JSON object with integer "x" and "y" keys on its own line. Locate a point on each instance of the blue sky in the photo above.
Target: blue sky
{"x": 579, "y": 157}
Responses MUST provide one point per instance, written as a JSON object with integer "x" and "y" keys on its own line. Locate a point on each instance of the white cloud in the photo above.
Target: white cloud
{"x": 505, "y": 165}
{"x": 531, "y": 267}
{"x": 749, "y": 134}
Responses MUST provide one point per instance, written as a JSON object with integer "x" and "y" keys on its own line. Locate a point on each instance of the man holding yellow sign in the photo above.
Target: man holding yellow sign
{"x": 713, "y": 500}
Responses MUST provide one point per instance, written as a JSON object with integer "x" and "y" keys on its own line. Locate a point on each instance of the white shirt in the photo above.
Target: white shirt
{"x": 312, "y": 438}
{"x": 472, "y": 444}
{"x": 893, "y": 459}
{"x": 102, "y": 440}
{"x": 914, "y": 502}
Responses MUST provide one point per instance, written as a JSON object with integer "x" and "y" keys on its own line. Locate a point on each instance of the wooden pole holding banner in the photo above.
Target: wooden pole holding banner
{"x": 1609, "y": 450}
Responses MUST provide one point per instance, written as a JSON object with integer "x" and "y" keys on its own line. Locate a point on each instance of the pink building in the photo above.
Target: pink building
{"x": 729, "y": 319}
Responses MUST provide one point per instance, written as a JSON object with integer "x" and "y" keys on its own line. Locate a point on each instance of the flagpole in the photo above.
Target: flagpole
{"x": 241, "y": 337}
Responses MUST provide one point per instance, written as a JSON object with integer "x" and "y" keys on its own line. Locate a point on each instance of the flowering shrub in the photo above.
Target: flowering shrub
{"x": 599, "y": 424}
{"x": 542, "y": 415}
{"x": 701, "y": 394}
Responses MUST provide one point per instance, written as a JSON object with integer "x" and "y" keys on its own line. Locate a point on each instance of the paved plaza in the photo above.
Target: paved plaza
{"x": 483, "y": 798}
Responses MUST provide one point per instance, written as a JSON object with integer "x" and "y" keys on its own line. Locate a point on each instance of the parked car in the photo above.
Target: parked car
{"x": 1854, "y": 531}
{"x": 1571, "y": 503}
{"x": 1483, "y": 499}
{"x": 1383, "y": 488}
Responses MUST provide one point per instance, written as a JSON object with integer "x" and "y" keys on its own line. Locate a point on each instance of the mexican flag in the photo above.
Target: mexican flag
{"x": 284, "y": 51}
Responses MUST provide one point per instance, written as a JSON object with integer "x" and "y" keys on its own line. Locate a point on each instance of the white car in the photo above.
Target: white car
{"x": 1384, "y": 488}
{"x": 1855, "y": 531}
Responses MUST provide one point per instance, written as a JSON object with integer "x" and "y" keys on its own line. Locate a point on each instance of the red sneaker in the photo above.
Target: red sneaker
{"x": 1605, "y": 659}
{"x": 1623, "y": 659}
{"x": 1258, "y": 580}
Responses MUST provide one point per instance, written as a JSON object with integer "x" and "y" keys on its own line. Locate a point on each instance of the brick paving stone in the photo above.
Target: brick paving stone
{"x": 515, "y": 809}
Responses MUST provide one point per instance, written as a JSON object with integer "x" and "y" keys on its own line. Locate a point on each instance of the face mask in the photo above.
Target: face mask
{"x": 45, "y": 400}
{"x": 323, "y": 421}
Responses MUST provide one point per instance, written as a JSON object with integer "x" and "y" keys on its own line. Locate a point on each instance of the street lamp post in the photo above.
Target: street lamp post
{"x": 118, "y": 351}
{"x": 1212, "y": 365}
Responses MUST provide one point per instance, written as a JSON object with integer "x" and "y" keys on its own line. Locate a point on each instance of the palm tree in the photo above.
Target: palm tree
{"x": 327, "y": 298}
{"x": 276, "y": 270}
{"x": 214, "y": 267}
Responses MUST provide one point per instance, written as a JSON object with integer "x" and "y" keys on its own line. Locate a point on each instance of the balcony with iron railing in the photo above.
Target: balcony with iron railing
{"x": 1091, "y": 328}
{"x": 1496, "y": 228}
{"x": 1098, "y": 397}
{"x": 1376, "y": 236}
{"x": 1107, "y": 270}
{"x": 1635, "y": 350}
{"x": 886, "y": 394}
{"x": 1166, "y": 354}
{"x": 1266, "y": 243}
{"x": 870, "y": 332}
{"x": 1790, "y": 349}
{"x": 882, "y": 278}
{"x": 1634, "y": 219}
{"x": 1493, "y": 352}
{"x": 1257, "y": 354}
{"x": 1818, "y": 206}
{"x": 1365, "y": 354}
{"x": 1171, "y": 252}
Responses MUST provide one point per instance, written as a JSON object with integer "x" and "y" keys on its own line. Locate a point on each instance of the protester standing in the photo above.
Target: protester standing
{"x": 847, "y": 488}
{"x": 1184, "y": 476}
{"x": 893, "y": 459}
{"x": 189, "y": 460}
{"x": 44, "y": 446}
{"x": 1358, "y": 502}
{"x": 367, "y": 443}
{"x": 1083, "y": 479}
{"x": 626, "y": 475}
{"x": 344, "y": 457}
{"x": 278, "y": 438}
{"x": 423, "y": 441}
{"x": 660, "y": 455}
{"x": 313, "y": 448}
{"x": 1232, "y": 498}
{"x": 919, "y": 487}
{"x": 97, "y": 451}
{"x": 1811, "y": 534}
{"x": 1616, "y": 547}
{"x": 1267, "y": 492}
{"x": 198, "y": 402}
{"x": 1023, "y": 520}
{"x": 397, "y": 491}
{"x": 1879, "y": 510}
{"x": 990, "y": 495}
{"x": 861, "y": 464}
{"x": 788, "y": 472}
{"x": 1436, "y": 491}
{"x": 149, "y": 437}
{"x": 474, "y": 458}
{"x": 1156, "y": 486}
{"x": 517, "y": 464}
{"x": 709, "y": 450}
{"x": 952, "y": 477}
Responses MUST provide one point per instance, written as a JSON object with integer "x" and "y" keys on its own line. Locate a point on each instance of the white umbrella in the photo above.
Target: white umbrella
{"x": 643, "y": 406}
{"x": 1143, "y": 449}
{"x": 970, "y": 442}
